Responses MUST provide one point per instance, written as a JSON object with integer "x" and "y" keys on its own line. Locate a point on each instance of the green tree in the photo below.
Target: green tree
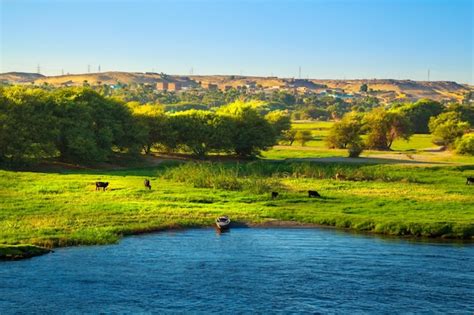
{"x": 365, "y": 104}
{"x": 465, "y": 111}
{"x": 93, "y": 127}
{"x": 344, "y": 132}
{"x": 194, "y": 130}
{"x": 251, "y": 132}
{"x": 465, "y": 144}
{"x": 303, "y": 136}
{"x": 338, "y": 108}
{"x": 280, "y": 121}
{"x": 289, "y": 136}
{"x": 383, "y": 127}
{"x": 420, "y": 112}
{"x": 152, "y": 125}
{"x": 364, "y": 88}
{"x": 447, "y": 128}
{"x": 28, "y": 128}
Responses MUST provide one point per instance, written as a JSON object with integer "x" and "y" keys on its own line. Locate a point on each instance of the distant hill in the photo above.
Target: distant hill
{"x": 391, "y": 90}
{"x": 385, "y": 89}
{"x": 19, "y": 77}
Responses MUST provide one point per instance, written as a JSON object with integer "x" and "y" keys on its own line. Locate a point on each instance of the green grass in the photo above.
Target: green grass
{"x": 300, "y": 152}
{"x": 63, "y": 209}
{"x": 416, "y": 142}
{"x": 320, "y": 129}
{"x": 316, "y": 148}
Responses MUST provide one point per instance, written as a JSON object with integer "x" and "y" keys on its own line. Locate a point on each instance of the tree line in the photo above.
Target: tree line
{"x": 450, "y": 126}
{"x": 81, "y": 125}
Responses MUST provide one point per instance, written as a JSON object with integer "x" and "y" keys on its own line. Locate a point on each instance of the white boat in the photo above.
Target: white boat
{"x": 223, "y": 222}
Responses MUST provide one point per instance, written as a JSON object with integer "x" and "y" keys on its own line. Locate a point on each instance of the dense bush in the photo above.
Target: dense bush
{"x": 355, "y": 149}
{"x": 465, "y": 145}
{"x": 420, "y": 112}
{"x": 447, "y": 128}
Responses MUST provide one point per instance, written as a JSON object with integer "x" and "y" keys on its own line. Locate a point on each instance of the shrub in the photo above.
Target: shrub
{"x": 355, "y": 149}
{"x": 447, "y": 128}
{"x": 345, "y": 132}
{"x": 465, "y": 145}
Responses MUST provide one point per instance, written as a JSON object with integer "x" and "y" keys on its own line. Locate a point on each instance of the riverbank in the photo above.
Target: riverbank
{"x": 62, "y": 208}
{"x": 23, "y": 251}
{"x": 26, "y": 251}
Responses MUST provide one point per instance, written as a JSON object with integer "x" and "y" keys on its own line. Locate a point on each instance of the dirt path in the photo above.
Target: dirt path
{"x": 432, "y": 159}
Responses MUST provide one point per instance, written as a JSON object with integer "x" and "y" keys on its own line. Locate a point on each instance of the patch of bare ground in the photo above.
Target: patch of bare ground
{"x": 430, "y": 158}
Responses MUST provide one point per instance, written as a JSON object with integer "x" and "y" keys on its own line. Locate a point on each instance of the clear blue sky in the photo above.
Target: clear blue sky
{"x": 338, "y": 39}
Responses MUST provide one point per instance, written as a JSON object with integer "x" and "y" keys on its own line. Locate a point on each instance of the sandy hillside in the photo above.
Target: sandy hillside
{"x": 19, "y": 77}
{"x": 386, "y": 89}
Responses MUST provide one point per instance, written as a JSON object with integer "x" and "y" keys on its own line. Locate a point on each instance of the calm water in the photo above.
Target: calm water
{"x": 245, "y": 270}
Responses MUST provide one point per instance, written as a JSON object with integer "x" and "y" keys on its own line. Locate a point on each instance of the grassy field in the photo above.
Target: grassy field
{"x": 407, "y": 191}
{"x": 320, "y": 129}
{"x": 418, "y": 148}
{"x": 63, "y": 208}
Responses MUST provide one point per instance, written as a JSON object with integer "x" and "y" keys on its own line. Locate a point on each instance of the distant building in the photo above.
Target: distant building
{"x": 162, "y": 86}
{"x": 174, "y": 86}
{"x": 168, "y": 86}
{"x": 251, "y": 85}
{"x": 209, "y": 86}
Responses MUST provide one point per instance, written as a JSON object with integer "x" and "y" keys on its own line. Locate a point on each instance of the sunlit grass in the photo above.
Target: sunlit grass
{"x": 61, "y": 209}
{"x": 418, "y": 148}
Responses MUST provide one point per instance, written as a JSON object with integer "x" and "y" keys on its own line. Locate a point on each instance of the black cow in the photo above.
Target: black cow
{"x": 147, "y": 184}
{"x": 274, "y": 194}
{"x": 313, "y": 194}
{"x": 103, "y": 185}
{"x": 469, "y": 180}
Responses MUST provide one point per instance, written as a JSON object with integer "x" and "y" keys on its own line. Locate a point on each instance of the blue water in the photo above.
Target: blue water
{"x": 245, "y": 271}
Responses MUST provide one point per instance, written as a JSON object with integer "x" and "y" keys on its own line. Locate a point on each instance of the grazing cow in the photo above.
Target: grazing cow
{"x": 313, "y": 194}
{"x": 274, "y": 194}
{"x": 99, "y": 185}
{"x": 469, "y": 180}
{"x": 147, "y": 184}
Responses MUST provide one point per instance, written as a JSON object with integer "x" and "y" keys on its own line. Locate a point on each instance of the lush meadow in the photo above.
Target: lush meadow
{"x": 62, "y": 208}
{"x": 418, "y": 147}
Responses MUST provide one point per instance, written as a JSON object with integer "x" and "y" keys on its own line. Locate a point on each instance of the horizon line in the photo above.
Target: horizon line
{"x": 235, "y": 75}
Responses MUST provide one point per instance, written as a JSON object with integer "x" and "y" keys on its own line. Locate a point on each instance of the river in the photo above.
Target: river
{"x": 246, "y": 270}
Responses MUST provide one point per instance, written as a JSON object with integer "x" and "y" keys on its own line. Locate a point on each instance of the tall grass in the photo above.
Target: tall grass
{"x": 223, "y": 176}
{"x": 261, "y": 176}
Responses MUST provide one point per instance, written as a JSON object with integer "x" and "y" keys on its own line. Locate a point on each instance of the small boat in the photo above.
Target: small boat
{"x": 223, "y": 222}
